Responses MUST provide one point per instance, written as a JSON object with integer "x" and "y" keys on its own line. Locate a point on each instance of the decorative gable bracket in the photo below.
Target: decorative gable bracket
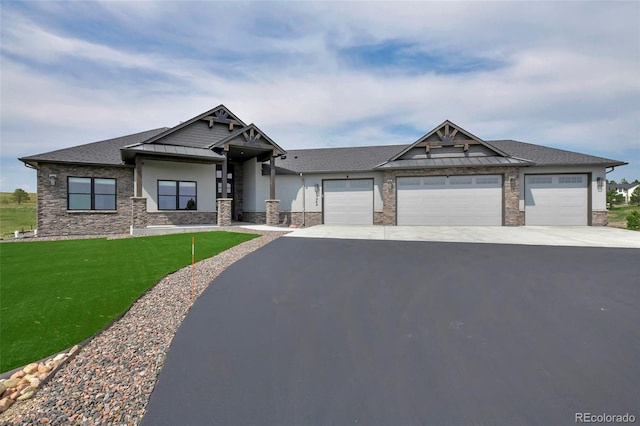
{"x": 221, "y": 116}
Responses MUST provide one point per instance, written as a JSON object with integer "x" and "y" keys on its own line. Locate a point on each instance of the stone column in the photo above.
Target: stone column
{"x": 138, "y": 212}
{"x": 224, "y": 211}
{"x": 273, "y": 212}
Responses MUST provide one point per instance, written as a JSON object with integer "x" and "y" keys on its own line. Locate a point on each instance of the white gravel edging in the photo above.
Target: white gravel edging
{"x": 110, "y": 380}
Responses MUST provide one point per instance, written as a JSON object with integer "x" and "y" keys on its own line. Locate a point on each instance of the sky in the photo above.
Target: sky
{"x": 321, "y": 74}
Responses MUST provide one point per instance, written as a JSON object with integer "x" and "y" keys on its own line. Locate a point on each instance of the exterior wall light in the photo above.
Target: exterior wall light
{"x": 512, "y": 182}
{"x": 53, "y": 179}
{"x": 600, "y": 183}
{"x": 390, "y": 184}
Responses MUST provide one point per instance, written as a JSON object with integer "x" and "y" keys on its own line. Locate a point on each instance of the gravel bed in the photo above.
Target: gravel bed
{"x": 110, "y": 379}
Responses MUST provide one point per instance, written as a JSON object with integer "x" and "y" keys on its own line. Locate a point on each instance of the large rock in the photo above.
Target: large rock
{"x": 2, "y": 388}
{"x": 43, "y": 368}
{"x": 4, "y": 404}
{"x": 31, "y": 368}
{"x": 12, "y": 383}
{"x": 26, "y": 396}
{"x": 18, "y": 374}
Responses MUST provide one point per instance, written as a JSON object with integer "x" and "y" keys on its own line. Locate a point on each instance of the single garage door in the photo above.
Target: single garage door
{"x": 556, "y": 199}
{"x": 348, "y": 202}
{"x": 453, "y": 200}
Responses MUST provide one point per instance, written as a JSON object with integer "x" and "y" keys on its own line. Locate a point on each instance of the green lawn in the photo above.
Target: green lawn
{"x": 620, "y": 213}
{"x": 16, "y": 217}
{"x": 54, "y": 294}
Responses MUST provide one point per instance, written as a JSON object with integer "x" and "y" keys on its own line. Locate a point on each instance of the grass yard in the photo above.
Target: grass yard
{"x": 620, "y": 213}
{"x": 14, "y": 216}
{"x": 55, "y": 294}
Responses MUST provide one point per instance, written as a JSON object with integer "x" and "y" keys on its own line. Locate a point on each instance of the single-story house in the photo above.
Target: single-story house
{"x": 624, "y": 189}
{"x": 215, "y": 169}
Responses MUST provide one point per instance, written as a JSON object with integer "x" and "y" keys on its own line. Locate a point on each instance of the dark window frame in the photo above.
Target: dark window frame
{"x": 176, "y": 196}
{"x": 93, "y": 193}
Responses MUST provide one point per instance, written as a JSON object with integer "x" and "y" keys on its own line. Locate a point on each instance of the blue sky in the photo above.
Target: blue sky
{"x": 561, "y": 74}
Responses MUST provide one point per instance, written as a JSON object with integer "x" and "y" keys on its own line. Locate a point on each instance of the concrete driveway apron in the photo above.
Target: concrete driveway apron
{"x": 335, "y": 332}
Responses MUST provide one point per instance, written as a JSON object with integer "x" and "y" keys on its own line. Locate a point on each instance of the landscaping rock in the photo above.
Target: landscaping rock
{"x": 18, "y": 374}
{"x": 3, "y": 388}
{"x": 12, "y": 383}
{"x": 59, "y": 357}
{"x": 31, "y": 368}
{"x": 43, "y": 368}
{"x": 4, "y": 404}
{"x": 26, "y": 395}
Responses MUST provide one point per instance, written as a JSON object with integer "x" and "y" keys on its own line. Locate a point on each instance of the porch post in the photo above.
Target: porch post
{"x": 272, "y": 169}
{"x": 224, "y": 177}
{"x": 273, "y": 205}
{"x": 138, "y": 176}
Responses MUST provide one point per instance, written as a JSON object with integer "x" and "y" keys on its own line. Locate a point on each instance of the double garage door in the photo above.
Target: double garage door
{"x": 449, "y": 200}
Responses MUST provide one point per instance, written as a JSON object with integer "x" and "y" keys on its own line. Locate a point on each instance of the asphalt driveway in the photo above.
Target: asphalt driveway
{"x": 344, "y": 332}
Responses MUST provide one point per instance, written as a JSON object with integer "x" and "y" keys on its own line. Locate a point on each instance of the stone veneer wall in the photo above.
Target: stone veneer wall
{"x": 289, "y": 218}
{"x": 254, "y": 217}
{"x": 599, "y": 218}
{"x": 186, "y": 217}
{"x": 273, "y": 212}
{"x": 511, "y": 213}
{"x": 139, "y": 217}
{"x": 224, "y": 211}
{"x": 55, "y": 219}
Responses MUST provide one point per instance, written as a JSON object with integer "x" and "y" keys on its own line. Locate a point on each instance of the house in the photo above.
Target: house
{"x": 215, "y": 169}
{"x": 625, "y": 189}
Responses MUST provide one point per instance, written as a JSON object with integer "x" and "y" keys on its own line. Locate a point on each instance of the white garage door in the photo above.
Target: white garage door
{"x": 348, "y": 202}
{"x": 556, "y": 200}
{"x": 453, "y": 200}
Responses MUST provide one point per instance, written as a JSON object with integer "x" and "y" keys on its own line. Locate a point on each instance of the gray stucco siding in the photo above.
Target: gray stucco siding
{"x": 55, "y": 219}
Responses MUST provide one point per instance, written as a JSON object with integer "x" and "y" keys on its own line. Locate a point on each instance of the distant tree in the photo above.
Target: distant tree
{"x": 636, "y": 181}
{"x": 635, "y": 197}
{"x": 20, "y": 195}
{"x": 614, "y": 197}
{"x": 624, "y": 181}
{"x": 612, "y": 182}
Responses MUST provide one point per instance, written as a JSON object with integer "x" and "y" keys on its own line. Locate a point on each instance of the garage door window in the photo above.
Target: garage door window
{"x": 541, "y": 180}
{"x": 570, "y": 179}
{"x": 487, "y": 180}
{"x": 460, "y": 180}
{"x": 438, "y": 180}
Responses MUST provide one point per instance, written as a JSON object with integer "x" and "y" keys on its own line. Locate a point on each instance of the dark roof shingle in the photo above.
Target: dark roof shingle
{"x": 352, "y": 159}
{"x": 543, "y": 155}
{"x": 102, "y": 152}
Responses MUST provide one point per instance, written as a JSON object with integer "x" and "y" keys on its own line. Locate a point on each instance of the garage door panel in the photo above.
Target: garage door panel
{"x": 348, "y": 202}
{"x": 454, "y": 200}
{"x": 556, "y": 199}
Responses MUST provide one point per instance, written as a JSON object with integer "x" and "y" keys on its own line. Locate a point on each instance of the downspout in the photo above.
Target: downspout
{"x": 304, "y": 197}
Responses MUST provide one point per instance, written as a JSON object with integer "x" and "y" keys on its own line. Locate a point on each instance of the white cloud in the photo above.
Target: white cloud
{"x": 567, "y": 75}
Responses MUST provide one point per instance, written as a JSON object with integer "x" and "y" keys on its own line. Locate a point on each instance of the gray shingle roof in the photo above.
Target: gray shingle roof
{"x": 102, "y": 152}
{"x": 352, "y": 159}
{"x": 349, "y": 159}
{"x": 545, "y": 156}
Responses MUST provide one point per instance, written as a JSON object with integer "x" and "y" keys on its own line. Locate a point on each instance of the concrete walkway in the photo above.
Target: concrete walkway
{"x": 575, "y": 236}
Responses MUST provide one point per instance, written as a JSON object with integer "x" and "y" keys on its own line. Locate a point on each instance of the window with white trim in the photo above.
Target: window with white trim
{"x": 86, "y": 193}
{"x": 177, "y": 195}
